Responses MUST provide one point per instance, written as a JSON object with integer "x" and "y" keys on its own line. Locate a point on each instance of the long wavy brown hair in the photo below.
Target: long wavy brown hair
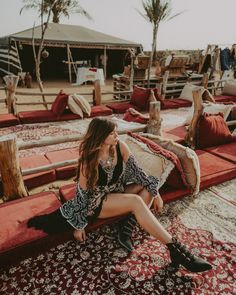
{"x": 98, "y": 130}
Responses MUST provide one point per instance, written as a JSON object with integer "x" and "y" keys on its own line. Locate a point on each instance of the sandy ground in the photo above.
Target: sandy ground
{"x": 54, "y": 87}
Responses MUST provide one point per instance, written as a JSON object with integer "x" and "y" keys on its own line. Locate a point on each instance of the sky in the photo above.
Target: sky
{"x": 202, "y": 22}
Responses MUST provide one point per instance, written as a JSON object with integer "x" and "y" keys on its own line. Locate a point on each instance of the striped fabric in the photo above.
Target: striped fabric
{"x": 9, "y": 61}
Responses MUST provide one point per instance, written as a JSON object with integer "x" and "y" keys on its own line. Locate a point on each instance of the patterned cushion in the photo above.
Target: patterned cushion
{"x": 187, "y": 157}
{"x": 74, "y": 107}
{"x": 83, "y": 103}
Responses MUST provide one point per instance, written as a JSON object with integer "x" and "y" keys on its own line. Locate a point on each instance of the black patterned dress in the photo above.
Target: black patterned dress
{"x": 87, "y": 204}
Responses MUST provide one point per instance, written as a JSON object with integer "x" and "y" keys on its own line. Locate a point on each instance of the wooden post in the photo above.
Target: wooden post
{"x": 12, "y": 181}
{"x": 69, "y": 64}
{"x": 205, "y": 79}
{"x": 132, "y": 55}
{"x": 11, "y": 82}
{"x": 198, "y": 110}
{"x": 164, "y": 83}
{"x": 105, "y": 62}
{"x": 154, "y": 123}
{"x": 97, "y": 93}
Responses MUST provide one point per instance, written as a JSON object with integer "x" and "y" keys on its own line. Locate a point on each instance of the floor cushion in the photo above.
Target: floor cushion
{"x": 37, "y": 179}
{"x": 100, "y": 110}
{"x": 59, "y": 105}
{"x": 187, "y": 157}
{"x": 225, "y": 151}
{"x": 121, "y": 107}
{"x": 179, "y": 132}
{"x": 14, "y": 215}
{"x": 212, "y": 130}
{"x": 63, "y": 155}
{"x": 140, "y": 97}
{"x": 224, "y": 98}
{"x": 7, "y": 120}
{"x": 82, "y": 103}
{"x": 37, "y": 116}
{"x": 157, "y": 161}
{"x": 214, "y": 170}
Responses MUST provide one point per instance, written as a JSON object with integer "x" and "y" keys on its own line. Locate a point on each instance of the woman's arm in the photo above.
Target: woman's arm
{"x": 75, "y": 210}
{"x": 134, "y": 173}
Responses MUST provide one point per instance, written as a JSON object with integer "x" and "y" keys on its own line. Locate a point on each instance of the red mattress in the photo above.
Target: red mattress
{"x": 40, "y": 178}
{"x": 7, "y": 120}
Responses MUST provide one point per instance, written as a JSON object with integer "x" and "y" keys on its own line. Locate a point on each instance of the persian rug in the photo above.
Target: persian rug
{"x": 206, "y": 224}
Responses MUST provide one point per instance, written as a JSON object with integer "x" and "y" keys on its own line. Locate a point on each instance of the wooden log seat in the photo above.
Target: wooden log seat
{"x": 7, "y": 120}
{"x": 37, "y": 179}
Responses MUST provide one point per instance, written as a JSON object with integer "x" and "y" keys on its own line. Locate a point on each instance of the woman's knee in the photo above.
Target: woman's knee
{"x": 136, "y": 202}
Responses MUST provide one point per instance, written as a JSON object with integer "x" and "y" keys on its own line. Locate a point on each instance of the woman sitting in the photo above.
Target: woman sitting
{"x": 110, "y": 183}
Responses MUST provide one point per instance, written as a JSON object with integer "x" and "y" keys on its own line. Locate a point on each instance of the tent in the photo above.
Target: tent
{"x": 67, "y": 46}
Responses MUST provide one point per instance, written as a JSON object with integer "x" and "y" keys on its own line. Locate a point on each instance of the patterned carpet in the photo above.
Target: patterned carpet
{"x": 206, "y": 224}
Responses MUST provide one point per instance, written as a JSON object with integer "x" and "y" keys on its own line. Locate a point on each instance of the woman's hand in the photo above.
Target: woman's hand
{"x": 158, "y": 203}
{"x": 79, "y": 235}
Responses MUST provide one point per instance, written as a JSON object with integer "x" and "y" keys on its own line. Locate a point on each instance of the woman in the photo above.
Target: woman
{"x": 110, "y": 183}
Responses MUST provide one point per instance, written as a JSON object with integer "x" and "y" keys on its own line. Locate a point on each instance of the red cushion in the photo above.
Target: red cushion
{"x": 214, "y": 170}
{"x": 15, "y": 214}
{"x": 224, "y": 98}
{"x": 131, "y": 118}
{"x": 212, "y": 130}
{"x": 121, "y": 107}
{"x": 60, "y": 103}
{"x": 225, "y": 151}
{"x": 7, "y": 120}
{"x": 63, "y": 155}
{"x": 38, "y": 116}
{"x": 100, "y": 110}
{"x": 177, "y": 177}
{"x": 179, "y": 132}
{"x": 169, "y": 104}
{"x": 37, "y": 179}
{"x": 182, "y": 103}
{"x": 140, "y": 97}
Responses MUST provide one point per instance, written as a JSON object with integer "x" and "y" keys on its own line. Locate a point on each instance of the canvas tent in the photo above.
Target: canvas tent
{"x": 66, "y": 45}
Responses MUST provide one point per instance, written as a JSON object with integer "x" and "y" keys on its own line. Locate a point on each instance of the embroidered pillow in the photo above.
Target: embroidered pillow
{"x": 74, "y": 107}
{"x": 187, "y": 157}
{"x": 140, "y": 97}
{"x": 60, "y": 103}
{"x": 83, "y": 103}
{"x": 212, "y": 130}
{"x": 170, "y": 162}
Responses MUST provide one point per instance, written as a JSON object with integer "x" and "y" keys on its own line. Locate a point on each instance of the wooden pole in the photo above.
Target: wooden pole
{"x": 205, "y": 80}
{"x": 132, "y": 55}
{"x": 97, "y": 93}
{"x": 154, "y": 123}
{"x": 69, "y": 64}
{"x": 198, "y": 110}
{"x": 11, "y": 85}
{"x": 12, "y": 181}
{"x": 164, "y": 83}
{"x": 105, "y": 62}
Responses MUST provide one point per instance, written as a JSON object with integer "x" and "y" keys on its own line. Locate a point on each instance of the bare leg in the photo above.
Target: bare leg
{"x": 118, "y": 204}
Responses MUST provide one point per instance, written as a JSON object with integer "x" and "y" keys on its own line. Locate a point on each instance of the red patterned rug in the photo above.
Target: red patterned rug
{"x": 206, "y": 224}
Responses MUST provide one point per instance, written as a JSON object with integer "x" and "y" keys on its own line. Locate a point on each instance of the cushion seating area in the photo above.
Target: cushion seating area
{"x": 15, "y": 236}
{"x": 214, "y": 170}
{"x": 40, "y": 116}
{"x": 224, "y": 98}
{"x": 63, "y": 155}
{"x": 226, "y": 151}
{"x": 7, "y": 120}
{"x": 40, "y": 178}
{"x": 122, "y": 107}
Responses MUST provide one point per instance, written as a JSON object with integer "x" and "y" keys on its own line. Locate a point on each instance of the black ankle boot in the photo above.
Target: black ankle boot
{"x": 125, "y": 230}
{"x": 181, "y": 256}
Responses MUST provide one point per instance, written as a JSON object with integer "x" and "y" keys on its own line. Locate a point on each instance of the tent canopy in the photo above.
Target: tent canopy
{"x": 60, "y": 34}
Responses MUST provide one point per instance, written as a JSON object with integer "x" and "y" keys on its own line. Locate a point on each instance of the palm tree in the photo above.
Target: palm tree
{"x": 60, "y": 8}
{"x": 156, "y": 11}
